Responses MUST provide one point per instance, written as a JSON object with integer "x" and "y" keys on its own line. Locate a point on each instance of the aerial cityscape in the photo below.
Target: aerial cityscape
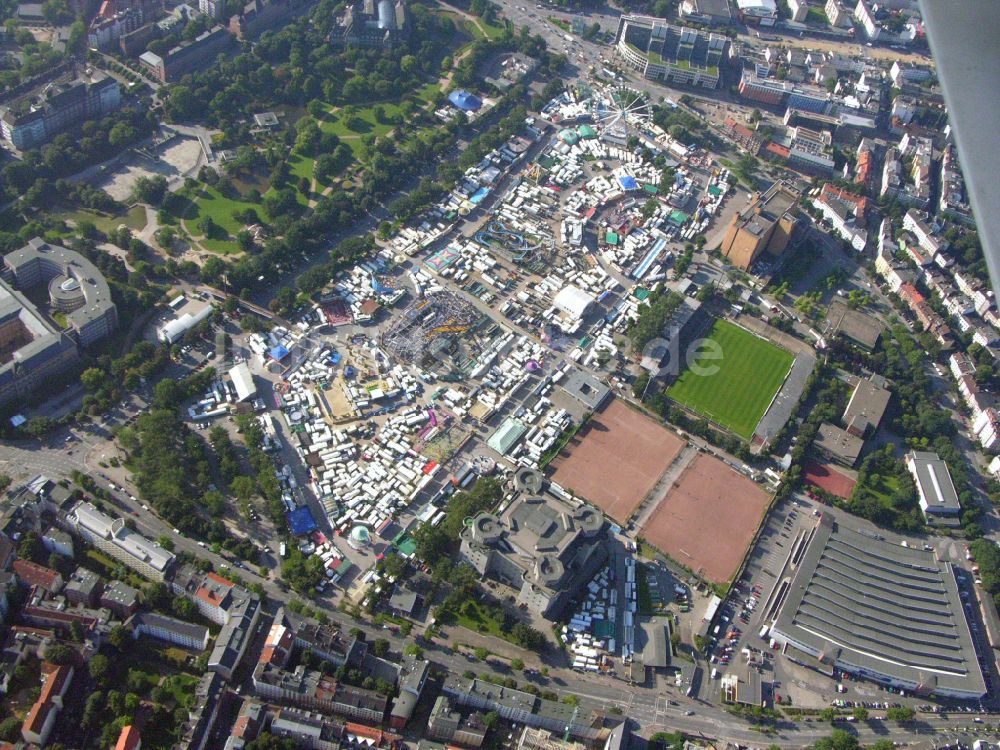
{"x": 458, "y": 374}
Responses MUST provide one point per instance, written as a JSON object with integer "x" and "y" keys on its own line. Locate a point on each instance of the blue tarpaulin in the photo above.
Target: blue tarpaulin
{"x": 301, "y": 521}
{"x": 278, "y": 353}
{"x": 628, "y": 182}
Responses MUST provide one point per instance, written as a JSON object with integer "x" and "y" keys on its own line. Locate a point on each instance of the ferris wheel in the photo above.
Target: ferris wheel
{"x": 619, "y": 111}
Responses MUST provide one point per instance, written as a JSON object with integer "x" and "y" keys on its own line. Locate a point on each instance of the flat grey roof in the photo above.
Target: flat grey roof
{"x": 838, "y": 442}
{"x": 933, "y": 481}
{"x": 963, "y": 40}
{"x": 651, "y": 640}
{"x": 585, "y": 388}
{"x": 162, "y": 622}
{"x": 55, "y": 259}
{"x": 780, "y": 410}
{"x": 876, "y": 605}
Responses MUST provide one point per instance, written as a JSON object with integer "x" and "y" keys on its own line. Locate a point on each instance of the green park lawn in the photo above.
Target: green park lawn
{"x": 748, "y": 376}
{"x": 338, "y": 124}
{"x": 134, "y": 218}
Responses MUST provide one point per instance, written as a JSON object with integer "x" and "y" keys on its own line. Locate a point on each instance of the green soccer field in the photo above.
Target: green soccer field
{"x": 749, "y": 374}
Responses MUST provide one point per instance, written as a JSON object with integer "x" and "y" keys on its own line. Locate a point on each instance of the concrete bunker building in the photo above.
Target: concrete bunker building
{"x": 766, "y": 224}
{"x": 878, "y": 610}
{"x": 547, "y": 547}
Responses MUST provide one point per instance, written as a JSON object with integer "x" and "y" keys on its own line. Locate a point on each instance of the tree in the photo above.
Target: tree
{"x": 30, "y": 547}
{"x": 414, "y": 650}
{"x": 828, "y": 714}
{"x": 900, "y": 714}
{"x": 98, "y": 667}
{"x": 268, "y": 741}
{"x": 119, "y": 637}
{"x": 150, "y": 189}
{"x": 380, "y": 647}
{"x": 209, "y": 228}
{"x": 517, "y": 665}
{"x": 93, "y": 379}
{"x": 481, "y": 653}
{"x": 60, "y": 654}
{"x": 668, "y": 740}
{"x": 183, "y": 608}
{"x": 243, "y": 487}
{"x": 10, "y": 729}
{"x": 491, "y": 719}
{"x": 56, "y": 12}
{"x": 122, "y": 134}
{"x": 860, "y": 713}
{"x": 838, "y": 740}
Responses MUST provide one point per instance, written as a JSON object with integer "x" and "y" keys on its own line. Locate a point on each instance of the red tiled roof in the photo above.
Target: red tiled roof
{"x": 36, "y": 575}
{"x": 380, "y": 736}
{"x": 778, "y": 150}
{"x": 210, "y": 596}
{"x": 55, "y": 680}
{"x": 129, "y": 739}
{"x": 36, "y": 717}
{"x": 859, "y": 202}
{"x": 219, "y": 579}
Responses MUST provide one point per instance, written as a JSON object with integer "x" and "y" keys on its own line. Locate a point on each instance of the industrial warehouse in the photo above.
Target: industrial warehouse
{"x": 879, "y": 610}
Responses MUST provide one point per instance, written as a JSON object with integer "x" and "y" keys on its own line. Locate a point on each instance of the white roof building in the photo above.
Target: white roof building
{"x": 938, "y": 496}
{"x": 243, "y": 382}
{"x": 185, "y": 317}
{"x": 758, "y": 8}
{"x": 114, "y": 537}
{"x": 573, "y": 301}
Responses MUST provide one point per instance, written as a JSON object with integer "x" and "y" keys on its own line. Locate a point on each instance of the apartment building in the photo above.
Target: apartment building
{"x": 676, "y": 54}
{"x": 311, "y": 690}
{"x": 986, "y": 428}
{"x": 40, "y": 719}
{"x": 954, "y": 201}
{"x": 930, "y": 241}
{"x": 257, "y": 16}
{"x": 799, "y": 10}
{"x": 232, "y": 641}
{"x": 169, "y": 630}
{"x": 838, "y": 14}
{"x": 113, "y": 537}
{"x": 34, "y": 120}
{"x": 449, "y": 725}
{"x": 845, "y": 212}
{"x": 189, "y": 56}
{"x": 522, "y": 708}
{"x": 32, "y": 575}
